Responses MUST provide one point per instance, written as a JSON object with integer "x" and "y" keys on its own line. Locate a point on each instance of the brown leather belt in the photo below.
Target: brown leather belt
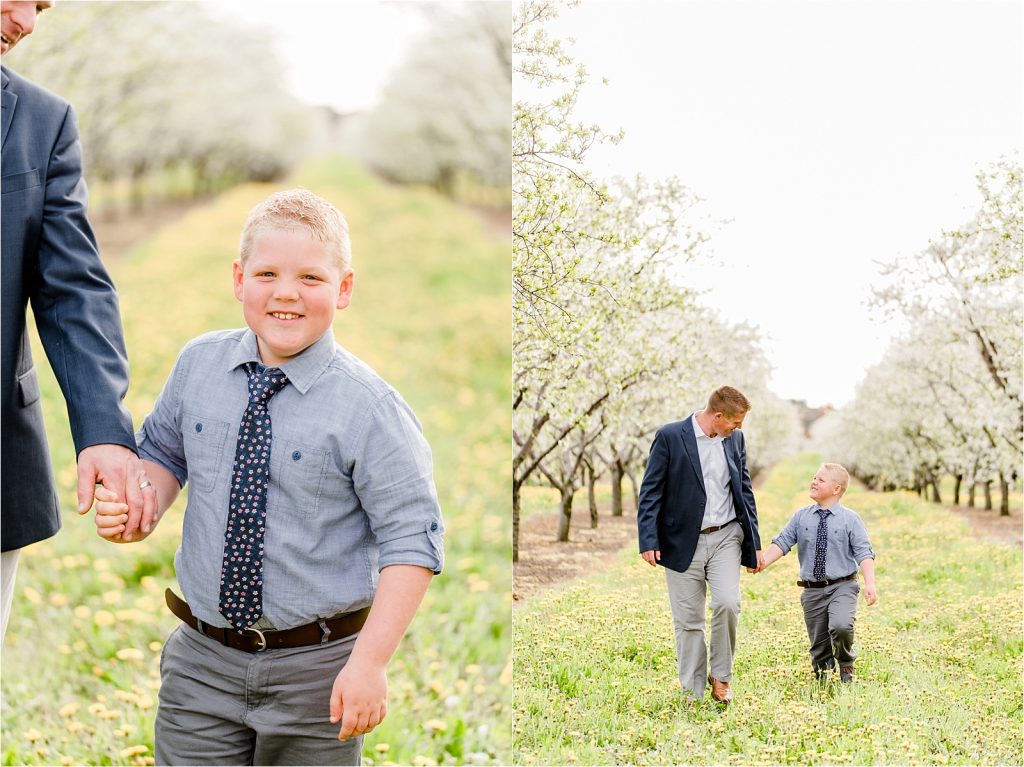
{"x": 716, "y": 528}
{"x": 320, "y": 632}
{"x": 823, "y": 584}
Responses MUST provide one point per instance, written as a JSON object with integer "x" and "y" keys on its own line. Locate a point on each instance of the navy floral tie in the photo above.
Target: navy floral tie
{"x": 821, "y": 546}
{"x": 241, "y": 577}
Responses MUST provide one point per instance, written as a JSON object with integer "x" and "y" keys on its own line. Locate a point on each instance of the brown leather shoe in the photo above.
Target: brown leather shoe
{"x": 720, "y": 691}
{"x": 846, "y": 674}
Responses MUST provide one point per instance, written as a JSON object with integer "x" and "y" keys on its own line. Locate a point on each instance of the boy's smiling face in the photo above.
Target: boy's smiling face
{"x": 290, "y": 288}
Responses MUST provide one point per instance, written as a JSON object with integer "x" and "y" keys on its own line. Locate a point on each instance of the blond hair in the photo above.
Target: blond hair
{"x": 300, "y": 209}
{"x": 727, "y": 400}
{"x": 839, "y": 474}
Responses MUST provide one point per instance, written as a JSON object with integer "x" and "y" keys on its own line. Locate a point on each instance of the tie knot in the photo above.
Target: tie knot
{"x": 821, "y": 512}
{"x": 264, "y": 383}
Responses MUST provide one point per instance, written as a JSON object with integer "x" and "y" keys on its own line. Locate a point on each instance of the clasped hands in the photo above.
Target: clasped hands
{"x": 123, "y": 477}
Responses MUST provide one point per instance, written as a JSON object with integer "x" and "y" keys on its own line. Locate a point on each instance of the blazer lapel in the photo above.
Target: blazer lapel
{"x": 7, "y": 102}
{"x": 732, "y": 459}
{"x": 690, "y": 444}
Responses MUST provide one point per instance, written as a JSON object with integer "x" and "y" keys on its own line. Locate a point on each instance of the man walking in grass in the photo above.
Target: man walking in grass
{"x": 697, "y": 518}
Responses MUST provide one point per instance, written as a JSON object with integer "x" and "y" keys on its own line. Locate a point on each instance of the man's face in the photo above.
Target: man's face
{"x": 289, "y": 288}
{"x": 725, "y": 424}
{"x": 823, "y": 486}
{"x": 18, "y": 21}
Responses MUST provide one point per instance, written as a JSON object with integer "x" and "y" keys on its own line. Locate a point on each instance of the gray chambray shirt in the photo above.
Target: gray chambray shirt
{"x": 848, "y": 542}
{"x": 351, "y": 487}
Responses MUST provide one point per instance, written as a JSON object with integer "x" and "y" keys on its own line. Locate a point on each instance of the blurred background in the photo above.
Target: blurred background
{"x": 190, "y": 114}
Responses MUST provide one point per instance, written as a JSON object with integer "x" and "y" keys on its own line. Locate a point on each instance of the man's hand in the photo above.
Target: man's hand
{"x": 118, "y": 469}
{"x": 650, "y": 557}
{"x": 760, "y": 564}
{"x": 359, "y": 699}
{"x": 870, "y": 595}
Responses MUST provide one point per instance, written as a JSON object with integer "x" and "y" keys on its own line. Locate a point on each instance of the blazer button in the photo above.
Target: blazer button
{"x": 296, "y": 455}
{"x": 199, "y": 428}
{"x": 433, "y": 527}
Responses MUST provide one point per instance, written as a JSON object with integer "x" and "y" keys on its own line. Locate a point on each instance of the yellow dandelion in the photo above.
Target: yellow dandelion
{"x": 33, "y": 735}
{"x": 95, "y": 708}
{"x": 103, "y": 618}
{"x": 472, "y": 668}
{"x": 133, "y": 751}
{"x": 67, "y": 761}
{"x": 145, "y": 702}
{"x": 125, "y": 696}
{"x": 424, "y": 761}
{"x": 32, "y": 595}
{"x": 69, "y": 562}
{"x": 98, "y": 671}
{"x": 382, "y": 748}
{"x": 130, "y": 653}
{"x": 112, "y": 597}
{"x": 75, "y": 726}
{"x": 436, "y": 725}
{"x": 68, "y": 709}
{"x": 110, "y": 713}
{"x": 155, "y": 647}
{"x": 59, "y": 599}
{"x": 101, "y": 563}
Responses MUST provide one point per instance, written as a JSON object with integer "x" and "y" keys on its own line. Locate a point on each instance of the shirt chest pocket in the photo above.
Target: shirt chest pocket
{"x": 296, "y": 477}
{"x": 205, "y": 440}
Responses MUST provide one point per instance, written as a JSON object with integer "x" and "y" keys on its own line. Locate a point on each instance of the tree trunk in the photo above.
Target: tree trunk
{"x": 970, "y": 494}
{"x": 1004, "y": 496}
{"x": 616, "y": 471}
{"x": 591, "y": 496}
{"x": 636, "y": 490}
{"x": 515, "y": 520}
{"x": 988, "y": 495}
{"x": 566, "y": 516}
{"x": 935, "y": 490}
{"x": 956, "y": 488}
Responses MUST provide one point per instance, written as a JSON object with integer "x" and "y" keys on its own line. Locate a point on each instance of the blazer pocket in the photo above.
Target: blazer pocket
{"x": 204, "y": 440}
{"x": 28, "y": 386}
{"x": 18, "y": 182}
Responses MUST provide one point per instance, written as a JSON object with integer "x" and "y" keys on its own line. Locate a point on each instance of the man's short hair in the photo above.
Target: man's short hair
{"x": 726, "y": 399}
{"x": 300, "y": 209}
{"x": 839, "y": 474}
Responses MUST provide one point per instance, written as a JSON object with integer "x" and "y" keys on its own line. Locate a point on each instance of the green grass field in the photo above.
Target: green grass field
{"x": 431, "y": 312}
{"x": 939, "y": 674}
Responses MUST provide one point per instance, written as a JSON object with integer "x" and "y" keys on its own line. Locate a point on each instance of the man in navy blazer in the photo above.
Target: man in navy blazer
{"x": 697, "y": 518}
{"x": 49, "y": 258}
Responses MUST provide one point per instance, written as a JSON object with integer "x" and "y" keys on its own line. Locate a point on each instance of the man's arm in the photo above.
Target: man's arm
{"x": 652, "y": 487}
{"x": 359, "y": 697}
{"x": 79, "y": 322}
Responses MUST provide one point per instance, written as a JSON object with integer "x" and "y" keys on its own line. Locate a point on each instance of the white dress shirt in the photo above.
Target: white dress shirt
{"x": 713, "y": 466}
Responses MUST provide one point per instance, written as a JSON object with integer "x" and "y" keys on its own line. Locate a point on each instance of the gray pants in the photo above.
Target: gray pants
{"x": 830, "y": 614}
{"x": 715, "y": 565}
{"x": 8, "y": 571}
{"x": 228, "y": 707}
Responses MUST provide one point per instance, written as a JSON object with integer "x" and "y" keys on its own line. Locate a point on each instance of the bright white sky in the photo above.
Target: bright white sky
{"x": 833, "y": 134}
{"x": 335, "y": 52}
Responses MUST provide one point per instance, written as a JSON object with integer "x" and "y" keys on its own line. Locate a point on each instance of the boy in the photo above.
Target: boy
{"x": 311, "y": 499}
{"x": 831, "y": 542}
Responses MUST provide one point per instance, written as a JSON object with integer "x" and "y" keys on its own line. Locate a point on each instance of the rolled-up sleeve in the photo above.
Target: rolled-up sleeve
{"x": 159, "y": 438}
{"x": 393, "y": 478}
{"x": 787, "y": 538}
{"x": 859, "y": 543}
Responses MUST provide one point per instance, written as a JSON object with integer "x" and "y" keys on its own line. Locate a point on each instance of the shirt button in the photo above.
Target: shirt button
{"x": 296, "y": 455}
{"x": 199, "y": 428}
{"x": 433, "y": 527}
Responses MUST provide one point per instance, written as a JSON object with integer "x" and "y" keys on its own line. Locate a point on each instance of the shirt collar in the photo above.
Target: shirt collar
{"x": 302, "y": 370}
{"x": 834, "y": 510}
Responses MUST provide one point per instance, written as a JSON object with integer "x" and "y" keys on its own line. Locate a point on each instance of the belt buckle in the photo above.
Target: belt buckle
{"x": 263, "y": 639}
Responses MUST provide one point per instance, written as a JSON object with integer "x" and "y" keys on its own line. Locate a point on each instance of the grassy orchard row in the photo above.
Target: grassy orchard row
{"x": 938, "y": 680}
{"x": 430, "y": 313}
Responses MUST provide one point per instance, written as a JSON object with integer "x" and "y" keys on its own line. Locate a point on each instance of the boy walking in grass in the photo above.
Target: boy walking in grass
{"x": 312, "y": 528}
{"x": 831, "y": 542}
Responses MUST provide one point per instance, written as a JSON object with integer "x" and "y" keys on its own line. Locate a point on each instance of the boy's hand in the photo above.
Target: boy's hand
{"x": 870, "y": 594}
{"x": 112, "y": 517}
{"x": 359, "y": 699}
